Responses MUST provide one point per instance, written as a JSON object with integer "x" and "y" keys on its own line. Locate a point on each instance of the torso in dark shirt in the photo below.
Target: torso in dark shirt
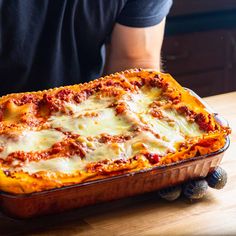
{"x": 50, "y": 43}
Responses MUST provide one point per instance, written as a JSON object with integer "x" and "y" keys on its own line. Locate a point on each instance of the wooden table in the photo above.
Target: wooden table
{"x": 146, "y": 214}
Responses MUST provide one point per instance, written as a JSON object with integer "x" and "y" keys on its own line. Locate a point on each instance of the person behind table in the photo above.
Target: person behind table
{"x": 50, "y": 43}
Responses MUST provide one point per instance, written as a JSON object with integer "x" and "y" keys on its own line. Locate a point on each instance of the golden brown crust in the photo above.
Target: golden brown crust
{"x": 30, "y": 111}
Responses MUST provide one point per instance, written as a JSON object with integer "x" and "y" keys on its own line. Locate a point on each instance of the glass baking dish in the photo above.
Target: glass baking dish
{"x": 115, "y": 187}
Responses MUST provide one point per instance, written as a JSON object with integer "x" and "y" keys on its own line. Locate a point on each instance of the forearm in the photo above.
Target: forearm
{"x": 134, "y": 48}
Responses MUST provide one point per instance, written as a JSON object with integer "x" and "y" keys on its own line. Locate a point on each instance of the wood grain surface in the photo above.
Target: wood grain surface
{"x": 147, "y": 214}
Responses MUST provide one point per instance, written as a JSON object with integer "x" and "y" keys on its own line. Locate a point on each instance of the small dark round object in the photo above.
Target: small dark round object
{"x": 217, "y": 179}
{"x": 195, "y": 189}
{"x": 170, "y": 193}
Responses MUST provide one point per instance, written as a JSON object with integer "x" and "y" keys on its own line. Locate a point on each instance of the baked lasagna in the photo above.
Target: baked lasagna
{"x": 125, "y": 122}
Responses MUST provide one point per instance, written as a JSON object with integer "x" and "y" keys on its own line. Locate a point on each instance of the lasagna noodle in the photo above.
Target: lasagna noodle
{"x": 125, "y": 122}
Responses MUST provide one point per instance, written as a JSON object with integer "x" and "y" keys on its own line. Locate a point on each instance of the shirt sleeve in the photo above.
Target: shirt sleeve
{"x": 144, "y": 13}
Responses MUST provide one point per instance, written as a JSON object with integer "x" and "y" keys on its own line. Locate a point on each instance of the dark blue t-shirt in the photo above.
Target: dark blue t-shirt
{"x": 48, "y": 43}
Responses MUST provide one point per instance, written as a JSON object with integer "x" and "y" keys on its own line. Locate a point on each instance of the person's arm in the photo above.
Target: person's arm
{"x": 132, "y": 47}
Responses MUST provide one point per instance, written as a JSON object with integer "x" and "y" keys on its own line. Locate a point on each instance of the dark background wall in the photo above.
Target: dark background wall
{"x": 199, "y": 48}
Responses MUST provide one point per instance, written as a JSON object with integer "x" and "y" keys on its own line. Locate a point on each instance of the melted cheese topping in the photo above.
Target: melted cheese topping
{"x": 94, "y": 117}
{"x": 185, "y": 127}
{"x": 75, "y": 163}
{"x": 105, "y": 121}
{"x": 111, "y": 151}
{"x": 93, "y": 103}
{"x": 140, "y": 102}
{"x": 177, "y": 131}
{"x": 61, "y": 164}
{"x": 29, "y": 141}
{"x": 147, "y": 141}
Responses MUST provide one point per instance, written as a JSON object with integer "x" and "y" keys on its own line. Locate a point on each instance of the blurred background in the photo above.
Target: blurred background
{"x": 199, "y": 48}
